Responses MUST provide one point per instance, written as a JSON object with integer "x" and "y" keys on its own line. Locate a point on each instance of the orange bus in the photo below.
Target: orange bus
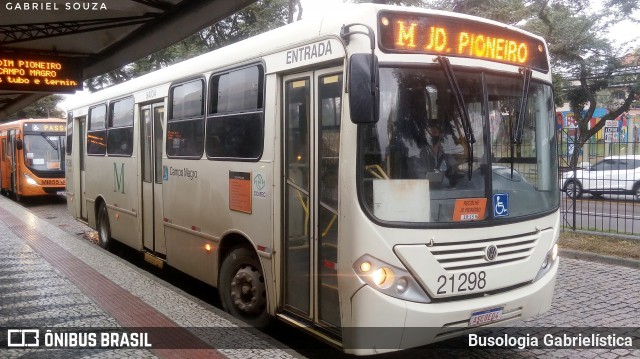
{"x": 32, "y": 157}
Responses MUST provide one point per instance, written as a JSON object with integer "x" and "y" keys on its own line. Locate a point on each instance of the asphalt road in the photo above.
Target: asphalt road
{"x": 588, "y": 294}
{"x": 615, "y": 214}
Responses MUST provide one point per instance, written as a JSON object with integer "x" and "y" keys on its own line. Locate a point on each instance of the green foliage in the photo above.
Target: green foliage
{"x": 505, "y": 11}
{"x": 46, "y": 107}
{"x": 586, "y": 65}
{"x": 559, "y": 95}
{"x": 260, "y": 17}
{"x": 416, "y": 3}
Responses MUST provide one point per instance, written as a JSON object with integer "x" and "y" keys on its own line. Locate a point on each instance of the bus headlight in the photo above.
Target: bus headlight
{"x": 390, "y": 280}
{"x": 383, "y": 277}
{"x": 30, "y": 180}
{"x": 548, "y": 261}
{"x": 402, "y": 284}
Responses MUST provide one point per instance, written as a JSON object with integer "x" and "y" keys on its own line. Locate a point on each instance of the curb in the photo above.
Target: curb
{"x": 592, "y": 257}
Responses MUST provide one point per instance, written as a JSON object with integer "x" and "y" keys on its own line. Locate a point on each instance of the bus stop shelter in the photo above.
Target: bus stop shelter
{"x": 97, "y": 36}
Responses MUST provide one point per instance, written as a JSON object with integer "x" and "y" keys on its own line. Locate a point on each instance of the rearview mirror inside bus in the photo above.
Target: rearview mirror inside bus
{"x": 363, "y": 88}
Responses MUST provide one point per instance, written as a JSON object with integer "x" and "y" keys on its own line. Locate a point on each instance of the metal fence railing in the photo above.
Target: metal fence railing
{"x": 603, "y": 193}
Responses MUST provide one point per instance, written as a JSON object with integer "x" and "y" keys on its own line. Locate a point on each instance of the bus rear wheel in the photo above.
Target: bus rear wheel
{"x": 636, "y": 191}
{"x": 242, "y": 287}
{"x": 104, "y": 229}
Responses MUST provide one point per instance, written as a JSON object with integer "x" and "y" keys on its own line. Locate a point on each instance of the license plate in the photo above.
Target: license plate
{"x": 485, "y": 316}
{"x": 53, "y": 182}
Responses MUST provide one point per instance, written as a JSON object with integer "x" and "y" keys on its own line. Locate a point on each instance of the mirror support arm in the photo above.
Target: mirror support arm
{"x": 345, "y": 34}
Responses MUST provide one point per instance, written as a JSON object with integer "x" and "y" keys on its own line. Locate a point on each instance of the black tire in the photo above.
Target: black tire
{"x": 104, "y": 229}
{"x": 636, "y": 191}
{"x": 573, "y": 189}
{"x": 242, "y": 287}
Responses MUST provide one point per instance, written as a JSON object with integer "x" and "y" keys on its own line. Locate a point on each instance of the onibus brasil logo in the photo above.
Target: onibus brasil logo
{"x": 33, "y": 338}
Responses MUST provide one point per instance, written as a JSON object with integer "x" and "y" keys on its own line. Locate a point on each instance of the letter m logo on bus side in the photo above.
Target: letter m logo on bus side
{"x": 118, "y": 178}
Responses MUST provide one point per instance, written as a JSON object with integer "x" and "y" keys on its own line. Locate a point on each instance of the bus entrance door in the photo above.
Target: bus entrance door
{"x": 6, "y": 162}
{"x": 152, "y": 117}
{"x": 82, "y": 126}
{"x": 5, "y": 167}
{"x": 311, "y": 138}
{"x": 13, "y": 162}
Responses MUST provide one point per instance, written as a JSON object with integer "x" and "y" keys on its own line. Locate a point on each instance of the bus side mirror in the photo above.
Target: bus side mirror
{"x": 19, "y": 144}
{"x": 364, "y": 96}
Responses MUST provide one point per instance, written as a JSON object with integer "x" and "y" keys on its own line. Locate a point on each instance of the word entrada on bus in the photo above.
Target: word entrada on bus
{"x": 336, "y": 177}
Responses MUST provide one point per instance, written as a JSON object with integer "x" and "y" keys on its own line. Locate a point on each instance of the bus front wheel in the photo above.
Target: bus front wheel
{"x": 104, "y": 230}
{"x": 242, "y": 289}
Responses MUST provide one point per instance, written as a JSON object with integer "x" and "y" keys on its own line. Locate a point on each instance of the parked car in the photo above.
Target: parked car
{"x": 612, "y": 175}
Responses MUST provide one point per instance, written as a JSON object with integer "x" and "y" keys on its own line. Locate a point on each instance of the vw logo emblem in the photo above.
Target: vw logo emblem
{"x": 491, "y": 252}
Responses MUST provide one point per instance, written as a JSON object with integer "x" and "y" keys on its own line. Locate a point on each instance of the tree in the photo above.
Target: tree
{"x": 509, "y": 12}
{"x": 44, "y": 108}
{"x": 293, "y": 5}
{"x": 579, "y": 52}
{"x": 417, "y": 3}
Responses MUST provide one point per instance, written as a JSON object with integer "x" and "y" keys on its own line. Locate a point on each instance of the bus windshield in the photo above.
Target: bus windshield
{"x": 44, "y": 152}
{"x": 417, "y": 164}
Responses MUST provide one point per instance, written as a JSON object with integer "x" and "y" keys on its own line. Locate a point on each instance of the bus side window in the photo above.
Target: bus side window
{"x": 96, "y": 133}
{"x": 185, "y": 123}
{"x": 120, "y": 131}
{"x": 235, "y": 116}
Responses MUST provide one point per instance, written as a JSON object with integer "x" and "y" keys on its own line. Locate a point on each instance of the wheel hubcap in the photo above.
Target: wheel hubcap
{"x": 247, "y": 290}
{"x": 571, "y": 190}
{"x": 103, "y": 230}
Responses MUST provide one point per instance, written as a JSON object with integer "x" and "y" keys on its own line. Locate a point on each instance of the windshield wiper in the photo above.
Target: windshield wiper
{"x": 516, "y": 136}
{"x": 462, "y": 109}
{"x": 55, "y": 147}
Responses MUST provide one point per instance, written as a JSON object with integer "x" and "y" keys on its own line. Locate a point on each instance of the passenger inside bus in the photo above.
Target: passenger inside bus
{"x": 421, "y": 146}
{"x": 446, "y": 147}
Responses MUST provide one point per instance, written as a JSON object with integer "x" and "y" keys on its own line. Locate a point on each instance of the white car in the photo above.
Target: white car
{"x": 612, "y": 175}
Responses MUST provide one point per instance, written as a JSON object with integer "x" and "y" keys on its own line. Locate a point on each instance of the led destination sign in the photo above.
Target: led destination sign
{"x": 19, "y": 72}
{"x": 439, "y": 35}
{"x": 44, "y": 127}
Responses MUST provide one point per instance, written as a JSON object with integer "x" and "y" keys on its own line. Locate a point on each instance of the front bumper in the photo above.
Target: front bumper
{"x": 381, "y": 323}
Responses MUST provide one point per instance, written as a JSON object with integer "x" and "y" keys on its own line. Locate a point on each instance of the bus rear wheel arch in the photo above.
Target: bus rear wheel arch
{"x": 242, "y": 287}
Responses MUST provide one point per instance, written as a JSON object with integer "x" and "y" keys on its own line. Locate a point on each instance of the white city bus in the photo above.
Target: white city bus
{"x": 383, "y": 177}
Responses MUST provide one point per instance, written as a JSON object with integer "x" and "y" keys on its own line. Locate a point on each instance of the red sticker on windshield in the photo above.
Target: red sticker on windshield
{"x": 469, "y": 209}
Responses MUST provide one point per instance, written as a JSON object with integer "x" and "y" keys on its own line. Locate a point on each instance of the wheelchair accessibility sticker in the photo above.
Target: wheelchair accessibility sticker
{"x": 500, "y": 205}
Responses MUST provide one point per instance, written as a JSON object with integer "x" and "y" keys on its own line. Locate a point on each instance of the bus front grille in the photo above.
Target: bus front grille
{"x": 472, "y": 254}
